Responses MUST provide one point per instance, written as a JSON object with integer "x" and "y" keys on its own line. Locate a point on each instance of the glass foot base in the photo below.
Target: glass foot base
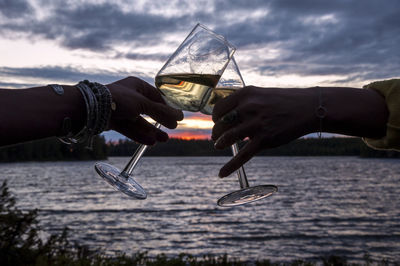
{"x": 123, "y": 183}
{"x": 247, "y": 195}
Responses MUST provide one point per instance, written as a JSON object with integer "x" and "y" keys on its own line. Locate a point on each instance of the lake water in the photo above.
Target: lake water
{"x": 325, "y": 205}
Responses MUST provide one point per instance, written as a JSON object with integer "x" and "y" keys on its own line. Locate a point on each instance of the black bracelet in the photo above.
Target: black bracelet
{"x": 104, "y": 102}
{"x": 98, "y": 101}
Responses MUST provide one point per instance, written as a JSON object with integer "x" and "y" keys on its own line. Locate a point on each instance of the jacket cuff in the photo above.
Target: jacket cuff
{"x": 390, "y": 90}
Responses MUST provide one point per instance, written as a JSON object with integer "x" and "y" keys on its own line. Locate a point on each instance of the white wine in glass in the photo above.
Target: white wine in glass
{"x": 200, "y": 92}
{"x": 186, "y": 81}
{"x": 186, "y": 91}
{"x": 231, "y": 81}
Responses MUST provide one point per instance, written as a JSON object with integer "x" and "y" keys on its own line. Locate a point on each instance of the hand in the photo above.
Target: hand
{"x": 268, "y": 117}
{"x": 134, "y": 97}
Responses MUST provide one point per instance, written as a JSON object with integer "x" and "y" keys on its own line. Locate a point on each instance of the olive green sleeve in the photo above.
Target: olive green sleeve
{"x": 390, "y": 90}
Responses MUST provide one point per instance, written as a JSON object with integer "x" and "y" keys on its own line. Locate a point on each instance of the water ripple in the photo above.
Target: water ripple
{"x": 342, "y": 205}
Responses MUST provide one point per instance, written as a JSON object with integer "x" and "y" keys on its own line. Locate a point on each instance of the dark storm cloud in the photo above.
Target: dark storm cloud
{"x": 351, "y": 38}
{"x": 15, "y": 85}
{"x": 14, "y": 8}
{"x": 359, "y": 39}
{"x": 66, "y": 74}
{"x": 96, "y": 27}
{"x": 137, "y": 56}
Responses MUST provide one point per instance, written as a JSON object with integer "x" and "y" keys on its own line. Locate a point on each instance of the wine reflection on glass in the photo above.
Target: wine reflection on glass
{"x": 188, "y": 81}
{"x": 185, "y": 82}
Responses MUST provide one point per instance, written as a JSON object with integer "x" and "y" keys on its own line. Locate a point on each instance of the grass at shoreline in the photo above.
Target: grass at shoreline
{"x": 20, "y": 244}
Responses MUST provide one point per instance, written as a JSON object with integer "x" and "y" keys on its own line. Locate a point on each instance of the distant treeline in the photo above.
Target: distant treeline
{"x": 173, "y": 147}
{"x": 53, "y": 150}
{"x": 300, "y": 147}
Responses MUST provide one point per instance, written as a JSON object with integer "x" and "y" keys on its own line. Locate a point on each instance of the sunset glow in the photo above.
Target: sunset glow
{"x": 188, "y": 135}
{"x": 193, "y": 126}
{"x": 196, "y": 123}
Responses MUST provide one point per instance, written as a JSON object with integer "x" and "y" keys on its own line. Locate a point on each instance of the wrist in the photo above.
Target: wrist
{"x": 96, "y": 99}
{"x": 314, "y": 109}
{"x": 116, "y": 94}
{"x": 76, "y": 114}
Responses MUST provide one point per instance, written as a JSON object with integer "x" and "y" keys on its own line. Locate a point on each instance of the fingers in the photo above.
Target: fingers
{"x": 150, "y": 92}
{"x": 234, "y": 134}
{"x": 141, "y": 86}
{"x": 219, "y": 128}
{"x": 135, "y": 97}
{"x": 245, "y": 154}
{"x": 229, "y": 120}
{"x": 140, "y": 131}
{"x": 162, "y": 113}
{"x": 225, "y": 105}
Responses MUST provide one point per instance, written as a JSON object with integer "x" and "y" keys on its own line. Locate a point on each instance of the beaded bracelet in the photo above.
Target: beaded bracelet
{"x": 104, "y": 102}
{"x": 98, "y": 102}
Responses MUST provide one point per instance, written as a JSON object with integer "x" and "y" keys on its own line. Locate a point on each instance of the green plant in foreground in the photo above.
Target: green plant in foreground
{"x": 20, "y": 244}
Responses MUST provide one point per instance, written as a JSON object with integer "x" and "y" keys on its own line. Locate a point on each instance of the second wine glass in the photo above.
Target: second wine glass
{"x": 185, "y": 81}
{"x": 188, "y": 81}
{"x": 230, "y": 81}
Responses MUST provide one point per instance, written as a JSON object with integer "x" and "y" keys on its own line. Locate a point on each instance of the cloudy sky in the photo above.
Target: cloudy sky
{"x": 282, "y": 43}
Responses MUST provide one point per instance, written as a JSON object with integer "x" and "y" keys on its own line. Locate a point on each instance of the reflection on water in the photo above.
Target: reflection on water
{"x": 333, "y": 205}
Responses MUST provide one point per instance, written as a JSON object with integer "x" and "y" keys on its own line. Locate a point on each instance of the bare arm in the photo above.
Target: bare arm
{"x": 36, "y": 113}
{"x": 271, "y": 117}
{"x": 354, "y": 112}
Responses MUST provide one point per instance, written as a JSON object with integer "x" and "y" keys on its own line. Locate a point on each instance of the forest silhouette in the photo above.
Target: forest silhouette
{"x": 53, "y": 150}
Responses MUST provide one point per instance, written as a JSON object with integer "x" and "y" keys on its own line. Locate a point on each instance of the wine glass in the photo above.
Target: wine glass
{"x": 185, "y": 81}
{"x": 230, "y": 81}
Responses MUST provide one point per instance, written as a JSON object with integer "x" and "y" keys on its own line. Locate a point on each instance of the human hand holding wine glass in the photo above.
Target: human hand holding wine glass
{"x": 186, "y": 81}
{"x": 268, "y": 117}
{"x": 200, "y": 91}
{"x": 134, "y": 97}
{"x": 230, "y": 81}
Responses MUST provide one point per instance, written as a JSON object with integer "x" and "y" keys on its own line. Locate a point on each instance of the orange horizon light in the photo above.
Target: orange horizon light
{"x": 189, "y": 136}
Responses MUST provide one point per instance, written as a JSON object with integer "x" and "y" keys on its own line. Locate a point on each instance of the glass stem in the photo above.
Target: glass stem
{"x": 240, "y": 172}
{"x": 136, "y": 157}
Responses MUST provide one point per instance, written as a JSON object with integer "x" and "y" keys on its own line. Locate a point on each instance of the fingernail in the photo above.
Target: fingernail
{"x": 180, "y": 115}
